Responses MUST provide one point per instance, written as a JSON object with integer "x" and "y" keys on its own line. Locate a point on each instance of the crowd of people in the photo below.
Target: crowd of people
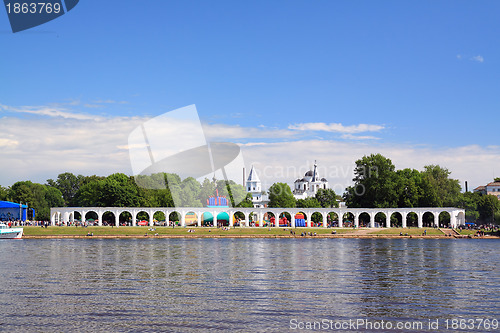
{"x": 19, "y": 223}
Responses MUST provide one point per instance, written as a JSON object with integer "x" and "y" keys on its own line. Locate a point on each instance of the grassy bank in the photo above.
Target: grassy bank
{"x": 409, "y": 231}
{"x": 474, "y": 232}
{"x": 141, "y": 231}
{"x": 236, "y": 232}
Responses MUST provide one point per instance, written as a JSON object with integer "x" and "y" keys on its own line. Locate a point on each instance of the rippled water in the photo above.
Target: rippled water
{"x": 247, "y": 285}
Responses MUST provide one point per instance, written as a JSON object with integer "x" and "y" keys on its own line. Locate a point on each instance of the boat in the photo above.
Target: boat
{"x": 10, "y": 233}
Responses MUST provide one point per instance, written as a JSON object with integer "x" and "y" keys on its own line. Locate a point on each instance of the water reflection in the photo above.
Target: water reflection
{"x": 241, "y": 284}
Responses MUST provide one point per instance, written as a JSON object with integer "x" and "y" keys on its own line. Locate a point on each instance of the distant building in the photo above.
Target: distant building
{"x": 254, "y": 187}
{"x": 492, "y": 188}
{"x": 309, "y": 185}
{"x": 480, "y": 189}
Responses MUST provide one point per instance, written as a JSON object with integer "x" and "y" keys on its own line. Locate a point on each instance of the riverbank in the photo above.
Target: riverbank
{"x": 166, "y": 232}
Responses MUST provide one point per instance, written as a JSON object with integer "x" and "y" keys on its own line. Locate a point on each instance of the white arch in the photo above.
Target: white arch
{"x": 66, "y": 214}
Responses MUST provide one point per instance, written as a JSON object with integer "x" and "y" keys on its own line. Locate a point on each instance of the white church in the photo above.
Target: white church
{"x": 254, "y": 186}
{"x": 309, "y": 185}
{"x": 303, "y": 187}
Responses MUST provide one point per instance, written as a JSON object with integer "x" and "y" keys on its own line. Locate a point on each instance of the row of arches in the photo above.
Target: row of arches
{"x": 260, "y": 217}
{"x": 129, "y": 218}
{"x": 364, "y": 219}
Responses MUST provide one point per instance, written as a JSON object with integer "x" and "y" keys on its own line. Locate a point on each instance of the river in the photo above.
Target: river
{"x": 249, "y": 285}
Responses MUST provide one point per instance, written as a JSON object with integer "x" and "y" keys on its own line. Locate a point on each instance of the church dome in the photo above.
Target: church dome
{"x": 324, "y": 180}
{"x": 298, "y": 180}
{"x": 308, "y": 174}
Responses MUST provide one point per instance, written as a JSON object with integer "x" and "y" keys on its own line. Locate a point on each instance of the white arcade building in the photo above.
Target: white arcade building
{"x": 309, "y": 185}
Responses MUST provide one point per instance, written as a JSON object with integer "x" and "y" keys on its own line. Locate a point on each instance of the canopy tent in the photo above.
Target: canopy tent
{"x": 12, "y": 211}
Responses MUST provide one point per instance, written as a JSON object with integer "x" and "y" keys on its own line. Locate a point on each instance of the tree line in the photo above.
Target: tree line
{"x": 376, "y": 184}
{"x": 120, "y": 190}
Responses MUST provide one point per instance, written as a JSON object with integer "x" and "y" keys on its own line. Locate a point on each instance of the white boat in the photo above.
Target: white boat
{"x": 10, "y": 233}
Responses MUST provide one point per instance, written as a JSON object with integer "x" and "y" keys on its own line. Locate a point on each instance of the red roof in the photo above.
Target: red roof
{"x": 494, "y": 184}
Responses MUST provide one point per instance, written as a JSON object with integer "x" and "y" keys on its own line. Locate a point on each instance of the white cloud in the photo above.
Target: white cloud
{"x": 110, "y": 101}
{"x": 336, "y": 127}
{"x": 84, "y": 145}
{"x": 359, "y": 137}
{"x": 478, "y": 58}
{"x": 133, "y": 146}
{"x": 228, "y": 132}
{"x": 63, "y": 144}
{"x": 50, "y": 111}
{"x": 8, "y": 143}
{"x": 287, "y": 161}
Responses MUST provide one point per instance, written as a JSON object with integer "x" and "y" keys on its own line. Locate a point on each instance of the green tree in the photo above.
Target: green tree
{"x": 280, "y": 195}
{"x": 157, "y": 181}
{"x": 247, "y": 203}
{"x": 439, "y": 190}
{"x": 190, "y": 191}
{"x": 430, "y": 196}
{"x": 207, "y": 190}
{"x": 374, "y": 183}
{"x": 172, "y": 179}
{"x": 37, "y": 196}
{"x": 308, "y": 203}
{"x": 408, "y": 187}
{"x": 238, "y": 193}
{"x": 469, "y": 201}
{"x": 488, "y": 205}
{"x": 21, "y": 192}
{"x": 68, "y": 184}
{"x": 90, "y": 194}
{"x": 327, "y": 198}
{"x": 4, "y": 193}
{"x": 113, "y": 191}
{"x": 153, "y": 190}
{"x": 93, "y": 178}
{"x": 118, "y": 190}
{"x": 165, "y": 198}
{"x": 54, "y": 197}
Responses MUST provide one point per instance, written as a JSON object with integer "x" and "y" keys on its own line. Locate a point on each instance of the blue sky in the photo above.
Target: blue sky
{"x": 417, "y": 80}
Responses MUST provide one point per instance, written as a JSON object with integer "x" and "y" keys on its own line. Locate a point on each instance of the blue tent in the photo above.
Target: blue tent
{"x": 12, "y": 211}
